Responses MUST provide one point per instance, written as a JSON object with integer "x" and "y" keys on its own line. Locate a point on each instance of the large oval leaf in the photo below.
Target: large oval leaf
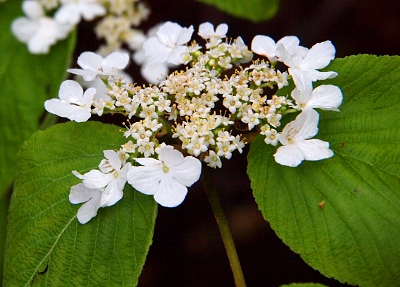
{"x": 253, "y": 10}
{"x": 26, "y": 82}
{"x": 46, "y": 245}
{"x": 303, "y": 285}
{"x": 343, "y": 214}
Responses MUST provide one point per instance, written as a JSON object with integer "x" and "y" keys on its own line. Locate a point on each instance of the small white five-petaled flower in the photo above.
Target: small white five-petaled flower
{"x": 166, "y": 178}
{"x": 297, "y": 145}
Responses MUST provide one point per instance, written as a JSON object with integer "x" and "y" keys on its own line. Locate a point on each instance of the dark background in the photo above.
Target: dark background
{"x": 187, "y": 248}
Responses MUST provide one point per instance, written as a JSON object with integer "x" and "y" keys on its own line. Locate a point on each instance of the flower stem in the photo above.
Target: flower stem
{"x": 48, "y": 121}
{"x": 223, "y": 226}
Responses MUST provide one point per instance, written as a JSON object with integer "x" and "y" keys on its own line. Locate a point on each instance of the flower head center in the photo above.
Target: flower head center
{"x": 165, "y": 168}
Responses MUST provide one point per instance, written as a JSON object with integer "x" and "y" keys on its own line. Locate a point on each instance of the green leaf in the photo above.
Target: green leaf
{"x": 253, "y": 10}
{"x": 46, "y": 245}
{"x": 4, "y": 204}
{"x": 342, "y": 215}
{"x": 303, "y": 285}
{"x": 26, "y": 82}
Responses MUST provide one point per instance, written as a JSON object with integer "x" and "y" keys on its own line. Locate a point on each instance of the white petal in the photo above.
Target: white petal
{"x": 89, "y": 210}
{"x": 114, "y": 193}
{"x": 123, "y": 176}
{"x": 303, "y": 127}
{"x": 326, "y": 97}
{"x": 71, "y": 92}
{"x": 314, "y": 149}
{"x": 96, "y": 179}
{"x": 221, "y": 30}
{"x": 301, "y": 79}
{"x": 77, "y": 174}
{"x": 24, "y": 28}
{"x": 98, "y": 84}
{"x": 145, "y": 179}
{"x": 289, "y": 155}
{"x": 290, "y": 43}
{"x": 91, "y": 10}
{"x": 116, "y": 60}
{"x": 45, "y": 36}
{"x": 68, "y": 13}
{"x": 148, "y": 161}
{"x": 139, "y": 56}
{"x": 319, "y": 56}
{"x": 170, "y": 156}
{"x": 307, "y": 122}
{"x": 79, "y": 114}
{"x": 113, "y": 159}
{"x": 170, "y": 193}
{"x": 32, "y": 9}
{"x": 88, "y": 96}
{"x": 86, "y": 74}
{"x": 90, "y": 61}
{"x": 263, "y": 45}
{"x": 315, "y": 75}
{"x": 155, "y": 51}
{"x": 168, "y": 34}
{"x": 59, "y": 108}
{"x": 187, "y": 172}
{"x": 66, "y": 110}
{"x": 301, "y": 98}
{"x": 175, "y": 57}
{"x": 184, "y": 36}
{"x": 155, "y": 73}
{"x": 80, "y": 193}
{"x": 206, "y": 30}
{"x": 284, "y": 56}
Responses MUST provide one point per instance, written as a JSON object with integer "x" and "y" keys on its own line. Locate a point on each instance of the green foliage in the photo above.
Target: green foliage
{"x": 46, "y": 245}
{"x": 27, "y": 81}
{"x": 342, "y": 214}
{"x": 303, "y": 285}
{"x": 253, "y": 10}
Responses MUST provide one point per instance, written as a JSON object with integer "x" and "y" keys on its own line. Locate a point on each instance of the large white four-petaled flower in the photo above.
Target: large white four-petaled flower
{"x": 71, "y": 11}
{"x": 324, "y": 97}
{"x": 93, "y": 65}
{"x": 72, "y": 103}
{"x": 166, "y": 178}
{"x": 38, "y": 30}
{"x": 266, "y": 46}
{"x": 297, "y": 145}
{"x": 303, "y": 67}
{"x": 100, "y": 188}
{"x": 168, "y": 46}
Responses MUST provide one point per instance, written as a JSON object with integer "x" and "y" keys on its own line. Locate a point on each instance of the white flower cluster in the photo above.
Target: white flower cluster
{"x": 204, "y": 109}
{"x": 119, "y": 25}
{"x": 303, "y": 65}
{"x": 48, "y": 21}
